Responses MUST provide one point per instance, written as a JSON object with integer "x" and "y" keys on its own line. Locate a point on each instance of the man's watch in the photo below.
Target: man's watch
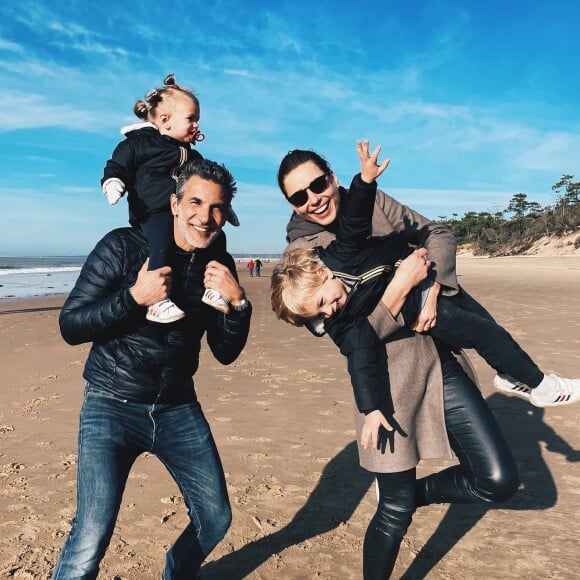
{"x": 241, "y": 306}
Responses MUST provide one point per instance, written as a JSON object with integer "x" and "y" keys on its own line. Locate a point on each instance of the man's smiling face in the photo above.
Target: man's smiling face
{"x": 200, "y": 214}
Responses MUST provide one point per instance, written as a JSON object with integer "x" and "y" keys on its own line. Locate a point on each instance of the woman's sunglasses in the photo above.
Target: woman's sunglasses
{"x": 317, "y": 186}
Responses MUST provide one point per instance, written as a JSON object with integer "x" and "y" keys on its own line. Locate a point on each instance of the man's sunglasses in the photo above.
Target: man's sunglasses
{"x": 317, "y": 186}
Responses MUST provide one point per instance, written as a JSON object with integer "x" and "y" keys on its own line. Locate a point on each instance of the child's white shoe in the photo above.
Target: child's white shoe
{"x": 554, "y": 391}
{"x": 510, "y": 385}
{"x": 164, "y": 312}
{"x": 214, "y": 299}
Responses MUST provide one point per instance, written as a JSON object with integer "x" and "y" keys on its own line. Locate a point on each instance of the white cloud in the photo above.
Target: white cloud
{"x": 11, "y": 46}
{"x": 554, "y": 152}
{"x": 33, "y": 112}
{"x": 239, "y": 73}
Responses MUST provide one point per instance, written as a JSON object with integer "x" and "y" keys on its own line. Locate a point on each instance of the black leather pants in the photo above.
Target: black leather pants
{"x": 487, "y": 472}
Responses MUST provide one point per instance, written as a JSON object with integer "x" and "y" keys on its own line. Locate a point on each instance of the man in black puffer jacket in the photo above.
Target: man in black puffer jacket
{"x": 139, "y": 394}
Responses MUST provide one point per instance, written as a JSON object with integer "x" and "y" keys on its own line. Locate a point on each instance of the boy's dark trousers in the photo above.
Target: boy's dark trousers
{"x": 462, "y": 322}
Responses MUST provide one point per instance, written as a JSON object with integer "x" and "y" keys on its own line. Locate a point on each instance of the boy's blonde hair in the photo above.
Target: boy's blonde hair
{"x": 162, "y": 100}
{"x": 294, "y": 281}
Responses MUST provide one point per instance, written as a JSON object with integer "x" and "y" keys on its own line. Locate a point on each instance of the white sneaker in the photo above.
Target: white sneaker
{"x": 565, "y": 392}
{"x": 510, "y": 385}
{"x": 214, "y": 299}
{"x": 164, "y": 312}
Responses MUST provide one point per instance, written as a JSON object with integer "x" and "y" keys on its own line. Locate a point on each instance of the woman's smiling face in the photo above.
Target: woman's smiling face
{"x": 320, "y": 208}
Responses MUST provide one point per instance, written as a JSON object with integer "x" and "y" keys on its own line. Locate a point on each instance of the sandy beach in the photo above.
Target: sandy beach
{"x": 282, "y": 418}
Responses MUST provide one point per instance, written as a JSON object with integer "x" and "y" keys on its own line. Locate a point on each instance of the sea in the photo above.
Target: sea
{"x": 27, "y": 277}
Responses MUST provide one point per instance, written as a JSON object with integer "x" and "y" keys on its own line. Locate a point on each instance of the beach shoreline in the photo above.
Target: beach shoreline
{"x": 282, "y": 419}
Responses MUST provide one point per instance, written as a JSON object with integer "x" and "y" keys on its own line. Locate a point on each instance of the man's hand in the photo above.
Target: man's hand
{"x": 218, "y": 277}
{"x": 151, "y": 286}
{"x": 428, "y": 316}
{"x": 370, "y": 170}
{"x": 370, "y": 430}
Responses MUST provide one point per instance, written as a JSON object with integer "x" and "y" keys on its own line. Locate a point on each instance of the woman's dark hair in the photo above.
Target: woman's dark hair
{"x": 294, "y": 159}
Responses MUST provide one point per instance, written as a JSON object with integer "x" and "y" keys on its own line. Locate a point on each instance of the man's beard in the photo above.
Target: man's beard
{"x": 197, "y": 244}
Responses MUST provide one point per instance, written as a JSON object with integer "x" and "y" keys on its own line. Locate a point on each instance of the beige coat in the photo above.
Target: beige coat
{"x": 414, "y": 366}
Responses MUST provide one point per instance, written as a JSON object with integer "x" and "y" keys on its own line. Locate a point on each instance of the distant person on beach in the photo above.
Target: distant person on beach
{"x": 250, "y": 266}
{"x": 258, "y": 266}
{"x": 146, "y": 164}
{"x": 433, "y": 406}
{"x": 139, "y": 393}
{"x": 340, "y": 285}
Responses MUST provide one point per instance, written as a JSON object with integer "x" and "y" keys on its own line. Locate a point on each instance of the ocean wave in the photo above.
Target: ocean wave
{"x": 53, "y": 270}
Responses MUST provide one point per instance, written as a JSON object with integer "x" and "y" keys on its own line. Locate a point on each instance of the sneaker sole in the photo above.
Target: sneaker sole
{"x": 559, "y": 402}
{"x": 165, "y": 320}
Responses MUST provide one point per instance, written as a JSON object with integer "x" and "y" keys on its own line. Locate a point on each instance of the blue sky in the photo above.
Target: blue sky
{"x": 472, "y": 101}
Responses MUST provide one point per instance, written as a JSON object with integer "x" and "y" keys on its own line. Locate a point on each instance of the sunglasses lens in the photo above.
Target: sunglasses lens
{"x": 317, "y": 186}
{"x": 299, "y": 198}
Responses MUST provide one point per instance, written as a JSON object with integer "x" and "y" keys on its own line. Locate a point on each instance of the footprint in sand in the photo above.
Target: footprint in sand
{"x": 172, "y": 500}
{"x": 69, "y": 460}
{"x": 166, "y": 516}
{"x": 32, "y": 406}
{"x": 6, "y": 429}
{"x": 20, "y": 483}
{"x": 256, "y": 455}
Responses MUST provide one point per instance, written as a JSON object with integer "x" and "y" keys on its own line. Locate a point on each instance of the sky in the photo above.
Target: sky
{"x": 473, "y": 102}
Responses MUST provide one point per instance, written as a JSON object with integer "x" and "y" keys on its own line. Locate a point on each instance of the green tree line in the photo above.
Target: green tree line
{"x": 516, "y": 228}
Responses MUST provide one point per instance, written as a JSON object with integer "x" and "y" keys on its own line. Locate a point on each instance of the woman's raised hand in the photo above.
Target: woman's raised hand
{"x": 370, "y": 169}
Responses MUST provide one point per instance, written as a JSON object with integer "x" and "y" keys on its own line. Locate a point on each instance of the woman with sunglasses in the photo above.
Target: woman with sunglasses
{"x": 436, "y": 406}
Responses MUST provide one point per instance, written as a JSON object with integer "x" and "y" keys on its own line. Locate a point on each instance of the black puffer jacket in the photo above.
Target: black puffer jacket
{"x": 132, "y": 358}
{"x": 147, "y": 163}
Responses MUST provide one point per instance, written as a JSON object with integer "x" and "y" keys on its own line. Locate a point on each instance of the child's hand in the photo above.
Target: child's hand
{"x": 369, "y": 168}
{"x": 370, "y": 429}
{"x": 113, "y": 188}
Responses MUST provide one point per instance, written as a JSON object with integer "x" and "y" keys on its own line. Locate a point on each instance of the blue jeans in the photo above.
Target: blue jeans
{"x": 112, "y": 434}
